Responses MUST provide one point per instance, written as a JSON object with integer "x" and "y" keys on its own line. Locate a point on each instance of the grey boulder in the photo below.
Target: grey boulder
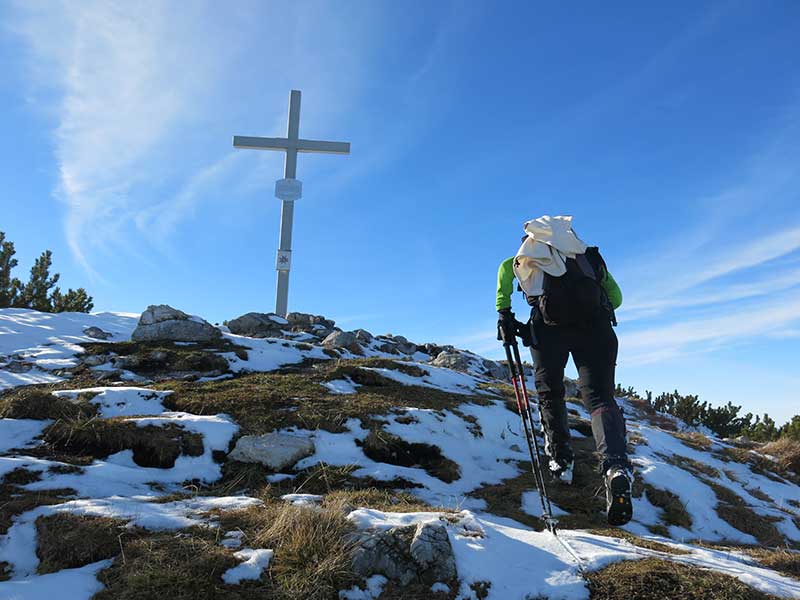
{"x": 274, "y": 450}
{"x": 420, "y": 553}
{"x": 163, "y": 323}
{"x": 431, "y": 550}
{"x": 258, "y": 325}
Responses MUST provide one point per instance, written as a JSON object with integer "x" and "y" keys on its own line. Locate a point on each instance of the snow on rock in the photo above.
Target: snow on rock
{"x": 255, "y": 561}
{"x": 275, "y": 450}
{"x": 121, "y": 401}
{"x": 40, "y": 342}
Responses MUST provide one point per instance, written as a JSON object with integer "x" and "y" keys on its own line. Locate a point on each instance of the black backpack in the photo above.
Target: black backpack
{"x": 576, "y": 297}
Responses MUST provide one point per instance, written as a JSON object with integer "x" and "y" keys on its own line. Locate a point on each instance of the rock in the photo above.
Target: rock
{"x": 403, "y": 345}
{"x": 258, "y": 325}
{"x": 18, "y": 366}
{"x": 452, "y": 360}
{"x": 275, "y": 450}
{"x": 343, "y": 339}
{"x": 407, "y": 554}
{"x": 315, "y": 324}
{"x": 164, "y": 323}
{"x": 571, "y": 388}
{"x": 97, "y": 333}
{"x": 95, "y": 360}
{"x": 363, "y": 336}
{"x": 431, "y": 550}
{"x": 386, "y": 553}
{"x": 495, "y": 370}
{"x": 388, "y": 349}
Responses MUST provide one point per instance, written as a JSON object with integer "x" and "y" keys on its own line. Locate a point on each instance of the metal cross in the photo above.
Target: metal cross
{"x": 289, "y": 188}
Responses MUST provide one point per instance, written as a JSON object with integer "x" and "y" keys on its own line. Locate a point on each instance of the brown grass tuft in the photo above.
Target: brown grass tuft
{"x": 674, "y": 510}
{"x": 152, "y": 446}
{"x": 68, "y": 541}
{"x": 28, "y": 403}
{"x": 787, "y": 451}
{"x": 694, "y": 439}
{"x": 385, "y": 447}
{"x": 654, "y": 579}
{"x": 313, "y": 549}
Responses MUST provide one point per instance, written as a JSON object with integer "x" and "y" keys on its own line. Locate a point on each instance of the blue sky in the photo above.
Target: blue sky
{"x": 670, "y": 131}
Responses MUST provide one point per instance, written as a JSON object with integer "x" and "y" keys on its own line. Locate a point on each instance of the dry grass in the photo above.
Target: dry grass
{"x": 689, "y": 464}
{"x": 637, "y": 541}
{"x": 784, "y": 561}
{"x": 653, "y": 579}
{"x": 345, "y": 501}
{"x": 733, "y": 510}
{"x": 674, "y": 512}
{"x": 787, "y": 451}
{"x": 264, "y": 402}
{"x": 757, "y": 462}
{"x": 30, "y": 403}
{"x": 385, "y": 447}
{"x": 152, "y": 446}
{"x": 313, "y": 550}
{"x": 15, "y": 501}
{"x": 180, "y": 566}
{"x": 68, "y": 541}
{"x": 694, "y": 439}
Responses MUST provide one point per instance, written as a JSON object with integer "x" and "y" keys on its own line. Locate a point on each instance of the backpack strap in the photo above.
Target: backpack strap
{"x": 585, "y": 266}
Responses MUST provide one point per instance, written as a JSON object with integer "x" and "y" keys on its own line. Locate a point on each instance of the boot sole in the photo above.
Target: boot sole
{"x": 620, "y": 508}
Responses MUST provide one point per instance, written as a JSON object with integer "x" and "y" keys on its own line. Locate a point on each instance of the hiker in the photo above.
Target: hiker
{"x": 573, "y": 298}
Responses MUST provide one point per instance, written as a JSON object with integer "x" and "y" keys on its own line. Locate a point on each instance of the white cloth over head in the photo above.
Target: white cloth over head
{"x": 549, "y": 243}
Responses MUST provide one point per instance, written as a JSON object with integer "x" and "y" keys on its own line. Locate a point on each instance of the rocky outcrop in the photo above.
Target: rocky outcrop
{"x": 274, "y": 450}
{"x": 420, "y": 553}
{"x": 313, "y": 324}
{"x": 163, "y": 323}
{"x": 258, "y": 325}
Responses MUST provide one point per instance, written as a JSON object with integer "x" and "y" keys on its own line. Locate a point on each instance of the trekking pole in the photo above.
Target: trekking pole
{"x": 524, "y": 409}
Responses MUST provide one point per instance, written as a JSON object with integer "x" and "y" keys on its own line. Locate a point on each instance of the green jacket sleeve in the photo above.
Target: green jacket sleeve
{"x": 505, "y": 284}
{"x": 613, "y": 291}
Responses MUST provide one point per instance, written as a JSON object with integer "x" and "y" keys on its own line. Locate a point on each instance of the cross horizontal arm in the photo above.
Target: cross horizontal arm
{"x": 262, "y": 143}
{"x": 323, "y": 147}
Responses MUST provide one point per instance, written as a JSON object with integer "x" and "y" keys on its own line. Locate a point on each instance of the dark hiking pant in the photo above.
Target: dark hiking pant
{"x": 594, "y": 351}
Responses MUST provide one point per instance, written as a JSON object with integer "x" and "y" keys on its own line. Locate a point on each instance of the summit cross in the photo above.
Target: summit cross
{"x": 289, "y": 188}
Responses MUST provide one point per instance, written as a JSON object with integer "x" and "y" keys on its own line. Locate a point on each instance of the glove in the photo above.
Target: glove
{"x": 525, "y": 332}
{"x": 506, "y": 326}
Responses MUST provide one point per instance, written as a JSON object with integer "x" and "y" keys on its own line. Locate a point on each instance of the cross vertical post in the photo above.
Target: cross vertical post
{"x": 289, "y": 188}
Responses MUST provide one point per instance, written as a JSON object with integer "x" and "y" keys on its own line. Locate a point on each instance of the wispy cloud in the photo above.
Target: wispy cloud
{"x": 123, "y": 87}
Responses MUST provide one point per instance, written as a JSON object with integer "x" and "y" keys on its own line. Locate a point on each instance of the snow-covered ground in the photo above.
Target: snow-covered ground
{"x": 483, "y": 439}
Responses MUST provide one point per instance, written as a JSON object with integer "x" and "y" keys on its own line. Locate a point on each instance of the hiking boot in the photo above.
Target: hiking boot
{"x": 619, "y": 508}
{"x": 561, "y": 470}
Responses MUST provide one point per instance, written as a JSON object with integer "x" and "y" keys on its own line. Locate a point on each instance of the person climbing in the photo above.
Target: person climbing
{"x": 572, "y": 297}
